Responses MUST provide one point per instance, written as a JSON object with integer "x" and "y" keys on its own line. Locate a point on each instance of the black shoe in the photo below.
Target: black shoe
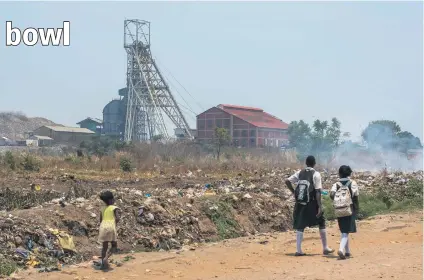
{"x": 341, "y": 255}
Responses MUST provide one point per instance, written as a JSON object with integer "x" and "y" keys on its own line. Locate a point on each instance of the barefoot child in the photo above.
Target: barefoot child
{"x": 109, "y": 217}
{"x": 345, "y": 200}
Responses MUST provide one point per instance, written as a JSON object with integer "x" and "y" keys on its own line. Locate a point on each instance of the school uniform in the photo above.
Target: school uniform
{"x": 348, "y": 224}
{"x": 305, "y": 215}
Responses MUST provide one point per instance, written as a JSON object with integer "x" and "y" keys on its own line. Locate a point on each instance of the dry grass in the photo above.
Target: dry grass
{"x": 153, "y": 159}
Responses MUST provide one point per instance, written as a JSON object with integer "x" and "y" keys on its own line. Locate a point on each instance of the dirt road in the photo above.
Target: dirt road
{"x": 386, "y": 247}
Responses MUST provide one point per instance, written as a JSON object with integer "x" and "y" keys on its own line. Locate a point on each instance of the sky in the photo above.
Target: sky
{"x": 358, "y": 61}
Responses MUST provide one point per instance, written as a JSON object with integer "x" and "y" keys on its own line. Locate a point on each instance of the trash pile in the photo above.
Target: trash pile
{"x": 50, "y": 229}
{"x": 30, "y": 245}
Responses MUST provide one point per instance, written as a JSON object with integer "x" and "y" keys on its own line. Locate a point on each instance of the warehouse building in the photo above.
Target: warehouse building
{"x": 248, "y": 127}
{"x": 63, "y": 134}
{"x": 92, "y": 124}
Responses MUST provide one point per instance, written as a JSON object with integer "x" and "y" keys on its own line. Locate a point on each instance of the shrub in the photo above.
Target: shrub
{"x": 9, "y": 160}
{"x": 30, "y": 163}
{"x": 125, "y": 164}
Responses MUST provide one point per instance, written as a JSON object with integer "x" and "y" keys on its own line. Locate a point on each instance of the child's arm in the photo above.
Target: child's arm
{"x": 117, "y": 213}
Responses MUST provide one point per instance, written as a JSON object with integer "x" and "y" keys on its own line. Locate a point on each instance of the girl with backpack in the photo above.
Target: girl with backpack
{"x": 346, "y": 205}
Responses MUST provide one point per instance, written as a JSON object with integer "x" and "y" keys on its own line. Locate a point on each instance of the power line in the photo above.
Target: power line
{"x": 169, "y": 72}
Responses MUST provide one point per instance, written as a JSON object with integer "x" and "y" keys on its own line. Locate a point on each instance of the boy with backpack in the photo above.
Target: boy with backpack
{"x": 345, "y": 200}
{"x": 308, "y": 211}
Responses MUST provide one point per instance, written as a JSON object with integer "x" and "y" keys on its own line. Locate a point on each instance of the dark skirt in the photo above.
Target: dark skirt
{"x": 306, "y": 216}
{"x": 347, "y": 224}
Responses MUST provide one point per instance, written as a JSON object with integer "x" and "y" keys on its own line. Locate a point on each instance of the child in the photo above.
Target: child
{"x": 347, "y": 224}
{"x": 109, "y": 217}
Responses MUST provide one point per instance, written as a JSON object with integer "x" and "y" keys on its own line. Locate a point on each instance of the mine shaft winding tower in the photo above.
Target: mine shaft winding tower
{"x": 148, "y": 96}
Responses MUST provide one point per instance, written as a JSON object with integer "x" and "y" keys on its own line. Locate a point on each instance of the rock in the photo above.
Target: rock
{"x": 93, "y": 215}
{"x": 18, "y": 241}
{"x": 247, "y": 196}
{"x": 150, "y": 217}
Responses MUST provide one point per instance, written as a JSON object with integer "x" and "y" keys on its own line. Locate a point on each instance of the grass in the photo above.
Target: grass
{"x": 376, "y": 204}
{"x": 7, "y": 267}
{"x": 221, "y": 215}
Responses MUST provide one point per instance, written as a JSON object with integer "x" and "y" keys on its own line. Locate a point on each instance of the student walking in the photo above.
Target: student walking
{"x": 346, "y": 205}
{"x": 308, "y": 211}
{"x": 109, "y": 217}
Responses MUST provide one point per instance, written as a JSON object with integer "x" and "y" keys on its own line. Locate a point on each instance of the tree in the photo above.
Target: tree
{"x": 381, "y": 133}
{"x": 299, "y": 134}
{"x": 221, "y": 138}
{"x": 388, "y": 135}
{"x": 321, "y": 140}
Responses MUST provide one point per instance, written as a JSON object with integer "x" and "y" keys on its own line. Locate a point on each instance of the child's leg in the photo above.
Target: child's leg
{"x": 323, "y": 235}
{"x": 104, "y": 252}
{"x": 299, "y": 239}
{"x": 347, "y": 249}
{"x": 114, "y": 249}
{"x": 343, "y": 242}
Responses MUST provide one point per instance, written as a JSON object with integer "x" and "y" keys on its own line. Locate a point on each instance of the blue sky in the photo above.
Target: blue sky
{"x": 355, "y": 61}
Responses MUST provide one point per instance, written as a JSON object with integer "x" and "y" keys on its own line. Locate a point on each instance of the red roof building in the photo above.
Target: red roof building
{"x": 247, "y": 126}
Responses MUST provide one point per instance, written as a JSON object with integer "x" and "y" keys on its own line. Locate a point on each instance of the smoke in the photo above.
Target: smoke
{"x": 387, "y": 147}
{"x": 377, "y": 158}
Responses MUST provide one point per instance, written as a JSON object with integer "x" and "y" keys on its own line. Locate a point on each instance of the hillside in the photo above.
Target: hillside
{"x": 14, "y": 125}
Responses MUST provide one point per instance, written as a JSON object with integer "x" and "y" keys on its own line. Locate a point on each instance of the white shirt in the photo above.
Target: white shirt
{"x": 353, "y": 186}
{"x": 317, "y": 178}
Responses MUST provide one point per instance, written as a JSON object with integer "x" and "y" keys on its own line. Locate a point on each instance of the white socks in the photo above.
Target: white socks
{"x": 344, "y": 242}
{"x": 347, "y": 249}
{"x": 299, "y": 239}
{"x": 323, "y": 234}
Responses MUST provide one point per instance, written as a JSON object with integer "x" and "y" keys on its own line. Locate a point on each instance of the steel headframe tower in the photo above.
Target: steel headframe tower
{"x": 148, "y": 93}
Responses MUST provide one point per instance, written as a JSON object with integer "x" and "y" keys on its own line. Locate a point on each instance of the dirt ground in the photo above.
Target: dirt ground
{"x": 385, "y": 247}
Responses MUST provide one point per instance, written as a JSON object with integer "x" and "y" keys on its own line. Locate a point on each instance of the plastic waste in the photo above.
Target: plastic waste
{"x": 324, "y": 192}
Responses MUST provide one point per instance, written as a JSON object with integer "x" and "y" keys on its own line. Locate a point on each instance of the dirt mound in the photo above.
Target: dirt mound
{"x": 14, "y": 125}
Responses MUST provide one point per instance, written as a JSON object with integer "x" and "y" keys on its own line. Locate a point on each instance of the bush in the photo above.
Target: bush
{"x": 30, "y": 163}
{"x": 125, "y": 164}
{"x": 7, "y": 267}
{"x": 9, "y": 160}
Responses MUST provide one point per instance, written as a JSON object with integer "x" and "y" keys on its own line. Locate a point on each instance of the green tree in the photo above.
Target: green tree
{"x": 299, "y": 134}
{"x": 389, "y": 136}
{"x": 321, "y": 140}
{"x": 220, "y": 139}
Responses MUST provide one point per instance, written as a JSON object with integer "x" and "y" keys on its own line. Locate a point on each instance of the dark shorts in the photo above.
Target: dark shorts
{"x": 305, "y": 216}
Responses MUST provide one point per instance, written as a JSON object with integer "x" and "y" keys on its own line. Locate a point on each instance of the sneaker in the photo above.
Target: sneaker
{"x": 299, "y": 254}
{"x": 328, "y": 251}
{"x": 341, "y": 255}
{"x": 348, "y": 255}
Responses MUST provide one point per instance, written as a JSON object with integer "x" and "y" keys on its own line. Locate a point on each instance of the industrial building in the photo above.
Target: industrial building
{"x": 114, "y": 114}
{"x": 63, "y": 134}
{"x": 39, "y": 141}
{"x": 92, "y": 124}
{"x": 248, "y": 127}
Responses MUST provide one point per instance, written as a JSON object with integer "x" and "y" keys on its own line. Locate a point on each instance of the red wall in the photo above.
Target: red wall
{"x": 243, "y": 133}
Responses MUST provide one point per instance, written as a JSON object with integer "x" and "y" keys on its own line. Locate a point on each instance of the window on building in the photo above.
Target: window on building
{"x": 201, "y": 124}
{"x": 244, "y": 133}
{"x": 236, "y": 133}
{"x": 252, "y": 142}
{"x": 210, "y": 124}
{"x": 253, "y": 133}
{"x": 218, "y": 123}
{"x": 244, "y": 142}
{"x": 226, "y": 123}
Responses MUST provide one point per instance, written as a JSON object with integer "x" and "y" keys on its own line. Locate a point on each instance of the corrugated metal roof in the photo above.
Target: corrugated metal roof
{"x": 254, "y": 116}
{"x": 41, "y": 137}
{"x": 96, "y": 120}
{"x": 69, "y": 129}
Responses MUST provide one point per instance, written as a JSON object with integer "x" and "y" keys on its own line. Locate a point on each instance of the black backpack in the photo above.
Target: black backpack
{"x": 305, "y": 189}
